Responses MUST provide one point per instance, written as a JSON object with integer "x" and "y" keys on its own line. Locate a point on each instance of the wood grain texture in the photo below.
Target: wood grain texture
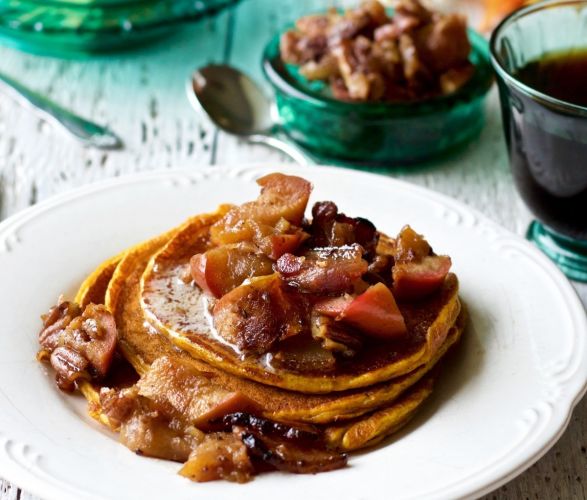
{"x": 141, "y": 96}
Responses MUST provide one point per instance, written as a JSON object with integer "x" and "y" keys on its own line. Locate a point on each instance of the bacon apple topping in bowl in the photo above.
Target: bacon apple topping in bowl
{"x": 366, "y": 54}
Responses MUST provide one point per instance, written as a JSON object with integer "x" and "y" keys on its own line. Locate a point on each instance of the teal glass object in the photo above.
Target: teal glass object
{"x": 75, "y": 28}
{"x": 377, "y": 134}
{"x": 546, "y": 137}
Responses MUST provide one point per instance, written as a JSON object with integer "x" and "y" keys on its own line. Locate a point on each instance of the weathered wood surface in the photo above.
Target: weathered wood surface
{"x": 141, "y": 96}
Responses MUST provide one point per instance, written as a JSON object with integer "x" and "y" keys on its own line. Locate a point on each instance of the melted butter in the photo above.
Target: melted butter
{"x": 182, "y": 306}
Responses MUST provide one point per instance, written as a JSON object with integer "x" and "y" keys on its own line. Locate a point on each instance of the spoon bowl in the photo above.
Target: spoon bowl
{"x": 236, "y": 104}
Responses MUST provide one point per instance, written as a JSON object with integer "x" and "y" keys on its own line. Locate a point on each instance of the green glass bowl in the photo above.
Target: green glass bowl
{"x": 84, "y": 27}
{"x": 378, "y": 133}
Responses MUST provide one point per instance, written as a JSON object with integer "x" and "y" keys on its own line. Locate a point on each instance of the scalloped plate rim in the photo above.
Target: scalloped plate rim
{"x": 561, "y": 413}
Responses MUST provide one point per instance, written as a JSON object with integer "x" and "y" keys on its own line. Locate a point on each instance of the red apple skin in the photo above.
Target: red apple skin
{"x": 220, "y": 270}
{"x": 376, "y": 314}
{"x": 417, "y": 280}
{"x": 198, "y": 272}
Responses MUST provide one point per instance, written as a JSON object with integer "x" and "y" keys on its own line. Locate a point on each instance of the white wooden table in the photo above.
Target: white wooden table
{"x": 141, "y": 96}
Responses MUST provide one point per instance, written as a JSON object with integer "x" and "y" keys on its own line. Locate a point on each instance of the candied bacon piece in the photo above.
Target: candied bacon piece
{"x": 219, "y": 456}
{"x": 376, "y": 314}
{"x": 323, "y": 270}
{"x": 220, "y": 270}
{"x": 363, "y": 81}
{"x": 287, "y": 456}
{"x": 330, "y": 229}
{"x": 306, "y": 435}
{"x": 364, "y": 232}
{"x": 444, "y": 44}
{"x": 314, "y": 25}
{"x": 282, "y": 196}
{"x": 379, "y": 269}
{"x": 323, "y": 69}
{"x": 365, "y": 55}
{"x": 410, "y": 14}
{"x": 415, "y": 72}
{"x": 323, "y": 216}
{"x": 256, "y": 315}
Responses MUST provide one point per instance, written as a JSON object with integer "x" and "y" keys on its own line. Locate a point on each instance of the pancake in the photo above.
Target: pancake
{"x": 142, "y": 344}
{"x": 93, "y": 289}
{"x": 348, "y": 436}
{"x": 176, "y": 389}
{"x": 351, "y": 435}
{"x": 179, "y": 310}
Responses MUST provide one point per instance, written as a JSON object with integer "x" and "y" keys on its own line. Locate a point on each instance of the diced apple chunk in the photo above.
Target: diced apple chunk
{"x": 418, "y": 279}
{"x": 220, "y": 270}
{"x": 376, "y": 314}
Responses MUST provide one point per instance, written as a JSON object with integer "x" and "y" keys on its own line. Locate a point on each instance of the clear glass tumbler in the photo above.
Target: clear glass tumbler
{"x": 546, "y": 137}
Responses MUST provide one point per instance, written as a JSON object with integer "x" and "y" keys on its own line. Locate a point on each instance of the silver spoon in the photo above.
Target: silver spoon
{"x": 236, "y": 104}
{"x": 90, "y": 134}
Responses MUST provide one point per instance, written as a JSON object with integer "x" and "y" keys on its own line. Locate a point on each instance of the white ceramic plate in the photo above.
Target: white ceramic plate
{"x": 500, "y": 406}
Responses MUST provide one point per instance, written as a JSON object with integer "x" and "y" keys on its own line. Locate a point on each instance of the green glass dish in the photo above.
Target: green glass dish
{"x": 85, "y": 27}
{"x": 385, "y": 134}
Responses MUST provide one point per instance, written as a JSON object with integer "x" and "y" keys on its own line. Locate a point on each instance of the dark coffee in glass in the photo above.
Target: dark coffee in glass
{"x": 542, "y": 77}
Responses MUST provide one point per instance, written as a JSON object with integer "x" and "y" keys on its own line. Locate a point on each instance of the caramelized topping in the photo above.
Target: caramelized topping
{"x": 167, "y": 382}
{"x": 219, "y": 456}
{"x": 335, "y": 277}
{"x": 78, "y": 344}
{"x": 328, "y": 270}
{"x": 289, "y": 457}
{"x": 335, "y": 336}
{"x": 376, "y": 314}
{"x": 298, "y": 293}
{"x": 281, "y": 196}
{"x": 254, "y": 316}
{"x": 303, "y": 354}
{"x": 410, "y": 246}
{"x": 263, "y": 427}
{"x": 148, "y": 432}
{"x": 221, "y": 269}
{"x": 417, "y": 272}
{"x": 332, "y": 229}
{"x": 366, "y": 55}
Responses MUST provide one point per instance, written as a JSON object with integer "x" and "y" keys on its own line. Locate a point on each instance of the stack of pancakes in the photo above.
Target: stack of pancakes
{"x": 162, "y": 320}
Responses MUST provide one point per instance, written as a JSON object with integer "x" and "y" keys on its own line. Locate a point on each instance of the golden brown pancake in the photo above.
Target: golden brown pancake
{"x": 365, "y": 416}
{"x": 178, "y": 310}
{"x": 142, "y": 344}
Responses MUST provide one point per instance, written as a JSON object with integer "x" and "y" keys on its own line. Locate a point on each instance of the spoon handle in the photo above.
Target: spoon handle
{"x": 285, "y": 147}
{"x": 87, "y": 132}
